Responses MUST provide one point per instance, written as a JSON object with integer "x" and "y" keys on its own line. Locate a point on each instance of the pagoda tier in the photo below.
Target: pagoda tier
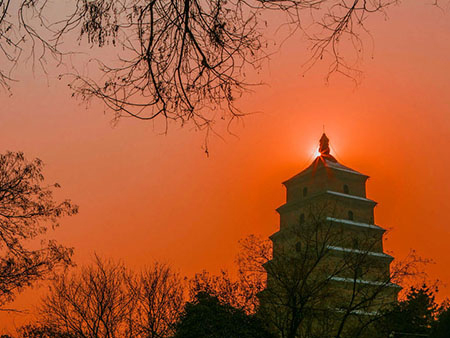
{"x": 328, "y": 239}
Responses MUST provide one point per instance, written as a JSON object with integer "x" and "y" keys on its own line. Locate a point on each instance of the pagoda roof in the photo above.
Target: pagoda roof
{"x": 361, "y": 252}
{"x": 296, "y": 203}
{"x": 325, "y": 161}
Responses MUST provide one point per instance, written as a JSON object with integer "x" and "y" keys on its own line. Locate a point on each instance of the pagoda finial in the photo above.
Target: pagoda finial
{"x": 324, "y": 148}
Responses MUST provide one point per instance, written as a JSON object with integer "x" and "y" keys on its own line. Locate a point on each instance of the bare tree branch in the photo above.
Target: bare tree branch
{"x": 177, "y": 60}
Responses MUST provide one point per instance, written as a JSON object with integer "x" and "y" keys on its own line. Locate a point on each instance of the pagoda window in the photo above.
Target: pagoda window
{"x": 346, "y": 191}
{"x": 302, "y": 219}
{"x": 350, "y": 215}
{"x": 305, "y": 191}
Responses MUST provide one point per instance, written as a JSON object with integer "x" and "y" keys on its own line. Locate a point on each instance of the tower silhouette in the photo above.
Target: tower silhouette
{"x": 328, "y": 272}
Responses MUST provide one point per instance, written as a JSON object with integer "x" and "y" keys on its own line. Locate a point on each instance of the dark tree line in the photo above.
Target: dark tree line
{"x": 207, "y": 316}
{"x": 105, "y": 299}
{"x": 417, "y": 314}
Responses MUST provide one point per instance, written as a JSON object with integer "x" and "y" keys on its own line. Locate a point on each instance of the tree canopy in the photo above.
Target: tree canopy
{"x": 441, "y": 327}
{"x": 207, "y": 317}
{"x": 416, "y": 314}
{"x": 27, "y": 211}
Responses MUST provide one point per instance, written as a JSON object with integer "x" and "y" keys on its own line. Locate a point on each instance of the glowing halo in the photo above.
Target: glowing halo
{"x": 317, "y": 152}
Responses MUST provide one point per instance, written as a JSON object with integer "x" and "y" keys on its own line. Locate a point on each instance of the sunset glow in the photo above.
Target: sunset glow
{"x": 317, "y": 152}
{"x": 147, "y": 196}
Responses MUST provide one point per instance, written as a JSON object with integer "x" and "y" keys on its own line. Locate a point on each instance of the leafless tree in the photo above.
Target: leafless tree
{"x": 181, "y": 60}
{"x": 323, "y": 281}
{"x": 25, "y": 33}
{"x": 239, "y": 289}
{"x": 186, "y": 60}
{"x": 159, "y": 299}
{"x": 94, "y": 303}
{"x": 107, "y": 300}
{"x": 27, "y": 211}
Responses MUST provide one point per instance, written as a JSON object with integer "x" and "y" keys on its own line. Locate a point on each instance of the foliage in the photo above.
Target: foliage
{"x": 42, "y": 331}
{"x": 414, "y": 314}
{"x": 108, "y": 300}
{"x": 236, "y": 292}
{"x": 207, "y": 317}
{"x": 441, "y": 327}
{"x": 240, "y": 290}
{"x": 27, "y": 211}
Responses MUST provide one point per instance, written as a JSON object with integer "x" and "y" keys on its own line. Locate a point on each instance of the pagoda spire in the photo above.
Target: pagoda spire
{"x": 324, "y": 148}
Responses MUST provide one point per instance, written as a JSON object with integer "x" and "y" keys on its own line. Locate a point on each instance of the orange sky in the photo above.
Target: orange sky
{"x": 146, "y": 197}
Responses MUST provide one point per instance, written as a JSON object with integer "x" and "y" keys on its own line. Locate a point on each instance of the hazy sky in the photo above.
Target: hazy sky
{"x": 146, "y": 197}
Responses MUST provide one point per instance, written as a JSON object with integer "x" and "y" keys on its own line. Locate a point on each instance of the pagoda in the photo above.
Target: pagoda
{"x": 329, "y": 275}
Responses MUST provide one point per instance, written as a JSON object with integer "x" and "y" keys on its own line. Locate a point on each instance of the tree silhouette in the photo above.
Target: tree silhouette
{"x": 239, "y": 292}
{"x": 42, "y": 331}
{"x": 207, "y": 317}
{"x": 415, "y": 314}
{"x": 107, "y": 300}
{"x": 441, "y": 327}
{"x": 317, "y": 289}
{"x": 179, "y": 60}
{"x": 158, "y": 301}
{"x": 27, "y": 211}
{"x": 94, "y": 303}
